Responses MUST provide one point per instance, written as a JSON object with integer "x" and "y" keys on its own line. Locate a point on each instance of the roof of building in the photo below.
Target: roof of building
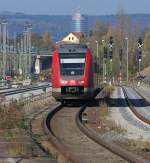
{"x": 77, "y": 34}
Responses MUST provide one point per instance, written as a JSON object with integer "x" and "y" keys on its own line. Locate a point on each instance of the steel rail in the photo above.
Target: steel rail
{"x": 23, "y": 90}
{"x": 105, "y": 143}
{"x": 54, "y": 140}
{"x": 135, "y": 112}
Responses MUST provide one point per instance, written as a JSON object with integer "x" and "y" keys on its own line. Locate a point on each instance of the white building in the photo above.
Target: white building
{"x": 71, "y": 38}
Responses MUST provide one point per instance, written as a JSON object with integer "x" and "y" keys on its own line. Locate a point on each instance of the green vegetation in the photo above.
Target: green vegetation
{"x": 102, "y": 32}
{"x": 106, "y": 124}
{"x": 11, "y": 117}
{"x": 18, "y": 150}
{"x": 9, "y": 135}
{"x": 43, "y": 42}
{"x": 108, "y": 90}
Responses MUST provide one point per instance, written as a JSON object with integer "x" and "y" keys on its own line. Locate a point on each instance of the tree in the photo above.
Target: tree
{"x": 146, "y": 57}
{"x": 43, "y": 42}
{"x": 46, "y": 41}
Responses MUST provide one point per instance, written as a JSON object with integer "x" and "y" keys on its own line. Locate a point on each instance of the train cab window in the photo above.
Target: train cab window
{"x": 72, "y": 66}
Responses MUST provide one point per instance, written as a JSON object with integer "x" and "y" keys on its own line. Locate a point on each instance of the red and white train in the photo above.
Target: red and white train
{"x": 72, "y": 72}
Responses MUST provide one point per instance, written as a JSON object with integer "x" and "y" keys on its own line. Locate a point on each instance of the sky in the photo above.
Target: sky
{"x": 67, "y": 7}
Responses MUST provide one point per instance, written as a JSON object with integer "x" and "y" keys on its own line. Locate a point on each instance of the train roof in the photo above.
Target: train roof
{"x": 72, "y": 48}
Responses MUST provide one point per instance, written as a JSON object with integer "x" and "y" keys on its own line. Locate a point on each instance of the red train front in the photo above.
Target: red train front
{"x": 72, "y": 72}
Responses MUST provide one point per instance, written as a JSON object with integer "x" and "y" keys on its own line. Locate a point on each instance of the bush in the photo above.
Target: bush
{"x": 11, "y": 117}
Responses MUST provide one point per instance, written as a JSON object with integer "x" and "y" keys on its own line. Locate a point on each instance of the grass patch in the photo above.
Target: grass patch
{"x": 18, "y": 150}
{"x": 107, "y": 124}
{"x": 9, "y": 136}
{"x": 38, "y": 137}
{"x": 116, "y": 127}
{"x": 104, "y": 111}
{"x": 108, "y": 90}
{"x": 146, "y": 146}
{"x": 11, "y": 117}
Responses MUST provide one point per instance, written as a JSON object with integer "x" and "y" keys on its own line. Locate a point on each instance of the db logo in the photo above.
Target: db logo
{"x": 72, "y": 81}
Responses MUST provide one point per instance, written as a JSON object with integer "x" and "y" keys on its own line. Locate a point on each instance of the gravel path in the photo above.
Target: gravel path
{"x": 142, "y": 106}
{"x": 123, "y": 117}
{"x": 145, "y": 91}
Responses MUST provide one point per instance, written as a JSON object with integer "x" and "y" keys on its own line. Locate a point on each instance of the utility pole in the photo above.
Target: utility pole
{"x": 1, "y": 63}
{"x": 120, "y": 58}
{"x": 104, "y": 61}
{"x": 8, "y": 57}
{"x": 29, "y": 49}
{"x": 127, "y": 50}
{"x": 21, "y": 57}
{"x": 4, "y": 24}
{"x": 0, "y": 37}
{"x": 97, "y": 44}
{"x": 15, "y": 59}
{"x": 25, "y": 55}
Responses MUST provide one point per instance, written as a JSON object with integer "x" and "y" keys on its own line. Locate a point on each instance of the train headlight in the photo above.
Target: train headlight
{"x": 81, "y": 82}
{"x": 63, "y": 82}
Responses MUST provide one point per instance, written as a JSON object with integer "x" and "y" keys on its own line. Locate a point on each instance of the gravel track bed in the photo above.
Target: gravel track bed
{"x": 66, "y": 130}
{"x": 129, "y": 116}
{"x": 39, "y": 135}
{"x": 23, "y": 149}
{"x": 133, "y": 134}
{"x": 138, "y": 102}
{"x": 123, "y": 117}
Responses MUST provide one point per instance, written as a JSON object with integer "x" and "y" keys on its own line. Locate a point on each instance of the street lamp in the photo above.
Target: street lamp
{"x": 97, "y": 44}
{"x": 4, "y": 47}
{"x": 104, "y": 61}
{"x": 127, "y": 57}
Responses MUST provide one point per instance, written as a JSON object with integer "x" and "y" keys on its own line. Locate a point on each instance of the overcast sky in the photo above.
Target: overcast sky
{"x": 65, "y": 7}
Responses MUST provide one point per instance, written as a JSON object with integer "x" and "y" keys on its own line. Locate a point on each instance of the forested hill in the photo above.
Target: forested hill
{"x": 58, "y": 26}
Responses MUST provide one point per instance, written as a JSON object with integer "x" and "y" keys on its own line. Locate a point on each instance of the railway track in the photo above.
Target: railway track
{"x": 39, "y": 153}
{"x": 29, "y": 139}
{"x": 22, "y": 90}
{"x": 140, "y": 110}
{"x": 77, "y": 143}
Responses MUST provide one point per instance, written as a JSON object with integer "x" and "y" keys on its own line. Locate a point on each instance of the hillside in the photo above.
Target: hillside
{"x": 59, "y": 25}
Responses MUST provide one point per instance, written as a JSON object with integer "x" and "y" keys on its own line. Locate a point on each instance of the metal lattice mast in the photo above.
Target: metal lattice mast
{"x": 21, "y": 70}
{"x": 0, "y": 38}
{"x": 15, "y": 58}
{"x": 25, "y": 53}
{"x": 4, "y": 47}
{"x": 29, "y": 50}
{"x": 8, "y": 57}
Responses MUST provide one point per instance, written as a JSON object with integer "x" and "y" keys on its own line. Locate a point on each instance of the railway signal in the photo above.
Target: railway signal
{"x": 105, "y": 52}
{"x": 140, "y": 42}
{"x": 140, "y": 48}
{"x": 104, "y": 64}
{"x": 111, "y": 43}
{"x": 120, "y": 58}
{"x": 120, "y": 54}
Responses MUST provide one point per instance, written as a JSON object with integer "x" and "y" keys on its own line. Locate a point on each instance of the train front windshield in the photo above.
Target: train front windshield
{"x": 72, "y": 64}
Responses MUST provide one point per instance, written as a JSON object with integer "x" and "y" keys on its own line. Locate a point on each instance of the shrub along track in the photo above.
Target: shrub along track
{"x": 35, "y": 130}
{"x": 74, "y": 142}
